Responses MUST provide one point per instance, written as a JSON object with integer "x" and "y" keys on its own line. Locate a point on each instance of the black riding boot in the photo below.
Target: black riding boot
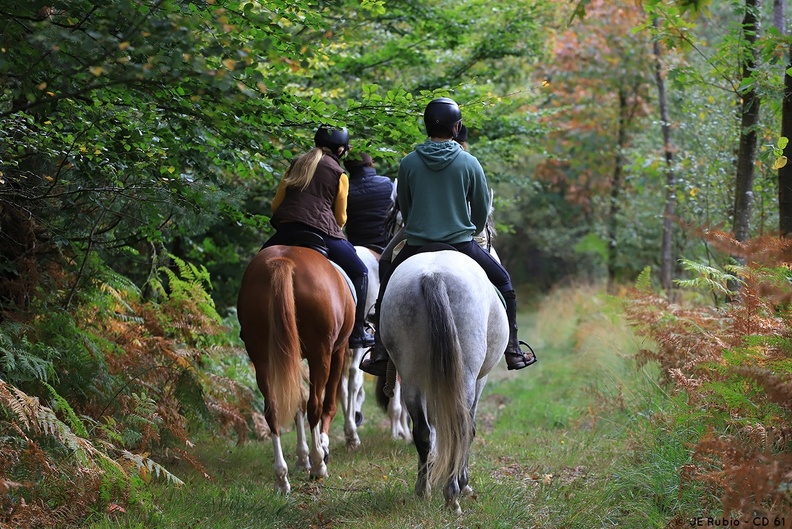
{"x": 360, "y": 336}
{"x": 515, "y": 357}
{"x": 377, "y": 362}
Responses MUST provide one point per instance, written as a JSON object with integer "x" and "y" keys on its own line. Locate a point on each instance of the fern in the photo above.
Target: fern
{"x": 187, "y": 286}
{"x": 709, "y": 278}
{"x": 18, "y": 362}
{"x": 147, "y": 467}
{"x": 644, "y": 281}
{"x": 74, "y": 422}
{"x": 734, "y": 363}
{"x": 39, "y": 419}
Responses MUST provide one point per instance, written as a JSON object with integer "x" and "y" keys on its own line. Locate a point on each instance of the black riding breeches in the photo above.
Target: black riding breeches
{"x": 495, "y": 271}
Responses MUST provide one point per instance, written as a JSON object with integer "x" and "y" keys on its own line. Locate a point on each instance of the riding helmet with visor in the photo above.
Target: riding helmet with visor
{"x": 332, "y": 138}
{"x": 442, "y": 117}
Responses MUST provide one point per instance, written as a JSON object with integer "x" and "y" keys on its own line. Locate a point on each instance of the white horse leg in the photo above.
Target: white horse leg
{"x": 281, "y": 470}
{"x": 302, "y": 443}
{"x": 397, "y": 413}
{"x": 320, "y": 450}
{"x": 361, "y": 396}
{"x": 405, "y": 424}
{"x": 352, "y": 399}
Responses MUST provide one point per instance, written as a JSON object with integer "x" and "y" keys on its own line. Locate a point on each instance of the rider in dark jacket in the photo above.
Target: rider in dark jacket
{"x": 369, "y": 201}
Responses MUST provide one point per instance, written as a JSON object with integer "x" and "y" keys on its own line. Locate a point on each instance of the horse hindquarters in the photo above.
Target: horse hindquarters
{"x": 419, "y": 330}
{"x": 265, "y": 308}
{"x": 442, "y": 366}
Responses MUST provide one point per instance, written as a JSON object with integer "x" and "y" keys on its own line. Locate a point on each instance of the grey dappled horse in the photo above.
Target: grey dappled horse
{"x": 445, "y": 327}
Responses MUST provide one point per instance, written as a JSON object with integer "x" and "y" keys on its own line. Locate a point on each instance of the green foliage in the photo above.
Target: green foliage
{"x": 711, "y": 279}
{"x": 62, "y": 406}
{"x": 644, "y": 281}
{"x": 18, "y": 365}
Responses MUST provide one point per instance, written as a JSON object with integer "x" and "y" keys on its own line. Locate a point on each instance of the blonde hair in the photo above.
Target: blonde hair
{"x": 301, "y": 172}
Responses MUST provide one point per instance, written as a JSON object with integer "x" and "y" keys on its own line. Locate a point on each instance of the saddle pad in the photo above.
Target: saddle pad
{"x": 346, "y": 278}
{"x": 436, "y": 247}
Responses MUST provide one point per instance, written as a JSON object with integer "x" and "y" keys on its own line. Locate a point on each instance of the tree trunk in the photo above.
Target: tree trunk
{"x": 779, "y": 6}
{"x": 616, "y": 183}
{"x": 667, "y": 254}
{"x": 746, "y": 155}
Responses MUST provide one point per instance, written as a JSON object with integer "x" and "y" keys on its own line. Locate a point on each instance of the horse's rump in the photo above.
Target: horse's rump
{"x": 292, "y": 304}
{"x": 444, "y": 327}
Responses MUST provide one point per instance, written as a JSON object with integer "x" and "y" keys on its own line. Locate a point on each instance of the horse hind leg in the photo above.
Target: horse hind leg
{"x": 303, "y": 461}
{"x": 422, "y": 437}
{"x": 459, "y": 486}
{"x": 281, "y": 469}
{"x": 397, "y": 413}
{"x": 317, "y": 451}
{"x": 452, "y": 498}
{"x": 351, "y": 393}
{"x": 279, "y": 465}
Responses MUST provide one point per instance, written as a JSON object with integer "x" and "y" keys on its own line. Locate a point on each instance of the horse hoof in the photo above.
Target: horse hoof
{"x": 320, "y": 473}
{"x": 353, "y": 443}
{"x": 283, "y": 488}
{"x": 358, "y": 418}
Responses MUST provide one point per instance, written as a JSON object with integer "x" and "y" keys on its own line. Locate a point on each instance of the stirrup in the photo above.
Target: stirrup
{"x": 371, "y": 317}
{"x": 522, "y": 362}
{"x": 377, "y": 367}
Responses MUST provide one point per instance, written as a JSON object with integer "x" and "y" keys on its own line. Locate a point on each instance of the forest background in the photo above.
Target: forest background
{"x": 627, "y": 143}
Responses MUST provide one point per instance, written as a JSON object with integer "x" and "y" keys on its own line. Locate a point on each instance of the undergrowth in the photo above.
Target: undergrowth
{"x": 732, "y": 361}
{"x": 96, "y": 400}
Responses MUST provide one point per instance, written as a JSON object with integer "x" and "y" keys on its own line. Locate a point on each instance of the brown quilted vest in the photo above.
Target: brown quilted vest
{"x": 314, "y": 205}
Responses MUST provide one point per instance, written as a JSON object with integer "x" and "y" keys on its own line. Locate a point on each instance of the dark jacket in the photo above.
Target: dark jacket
{"x": 368, "y": 203}
{"x": 314, "y": 205}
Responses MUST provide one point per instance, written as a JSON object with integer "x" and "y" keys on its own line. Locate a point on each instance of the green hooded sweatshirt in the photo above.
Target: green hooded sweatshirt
{"x": 442, "y": 193}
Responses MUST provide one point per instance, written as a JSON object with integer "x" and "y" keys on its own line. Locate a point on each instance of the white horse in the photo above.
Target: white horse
{"x": 351, "y": 390}
{"x": 445, "y": 327}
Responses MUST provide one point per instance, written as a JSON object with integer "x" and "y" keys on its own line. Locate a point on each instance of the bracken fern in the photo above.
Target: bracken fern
{"x": 735, "y": 362}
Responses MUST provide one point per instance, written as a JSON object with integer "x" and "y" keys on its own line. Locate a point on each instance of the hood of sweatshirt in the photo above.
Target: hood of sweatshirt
{"x": 437, "y": 155}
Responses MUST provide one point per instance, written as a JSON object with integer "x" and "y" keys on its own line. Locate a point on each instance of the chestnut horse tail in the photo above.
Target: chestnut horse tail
{"x": 446, "y": 397}
{"x": 285, "y": 356}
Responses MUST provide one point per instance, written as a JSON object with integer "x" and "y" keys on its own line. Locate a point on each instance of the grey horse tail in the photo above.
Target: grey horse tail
{"x": 447, "y": 402}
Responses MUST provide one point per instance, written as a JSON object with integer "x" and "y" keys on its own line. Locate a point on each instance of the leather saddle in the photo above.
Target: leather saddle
{"x": 311, "y": 240}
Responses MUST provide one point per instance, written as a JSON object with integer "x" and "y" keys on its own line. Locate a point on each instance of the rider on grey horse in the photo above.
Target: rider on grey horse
{"x": 444, "y": 198}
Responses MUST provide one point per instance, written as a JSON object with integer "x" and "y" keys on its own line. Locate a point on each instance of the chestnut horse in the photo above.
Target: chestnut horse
{"x": 294, "y": 304}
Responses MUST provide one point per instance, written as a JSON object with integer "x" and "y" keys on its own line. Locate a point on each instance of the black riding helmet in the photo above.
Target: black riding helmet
{"x": 441, "y": 117}
{"x": 332, "y": 138}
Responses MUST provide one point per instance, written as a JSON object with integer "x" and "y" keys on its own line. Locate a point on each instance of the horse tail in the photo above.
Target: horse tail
{"x": 446, "y": 388}
{"x": 285, "y": 356}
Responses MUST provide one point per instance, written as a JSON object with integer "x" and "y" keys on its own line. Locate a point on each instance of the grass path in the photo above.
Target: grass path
{"x": 582, "y": 439}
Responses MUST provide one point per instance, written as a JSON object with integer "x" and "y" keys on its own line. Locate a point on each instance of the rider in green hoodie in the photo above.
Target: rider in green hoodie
{"x": 444, "y": 198}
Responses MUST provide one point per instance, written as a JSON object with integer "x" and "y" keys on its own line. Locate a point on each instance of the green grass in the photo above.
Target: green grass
{"x": 583, "y": 439}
